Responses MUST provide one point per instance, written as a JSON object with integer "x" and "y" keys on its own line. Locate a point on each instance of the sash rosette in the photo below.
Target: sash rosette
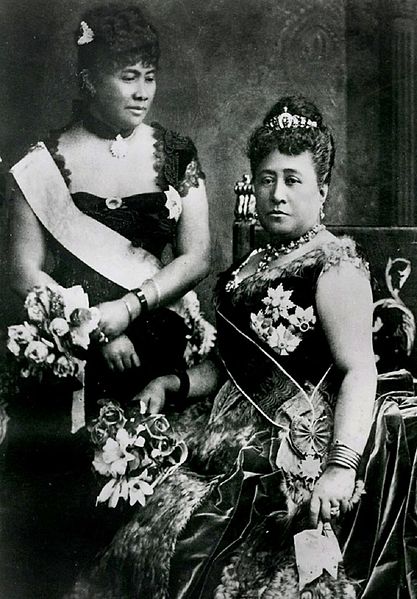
{"x": 56, "y": 333}
{"x": 134, "y": 451}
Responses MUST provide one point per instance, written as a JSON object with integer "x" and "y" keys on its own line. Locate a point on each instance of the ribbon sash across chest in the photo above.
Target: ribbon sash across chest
{"x": 98, "y": 246}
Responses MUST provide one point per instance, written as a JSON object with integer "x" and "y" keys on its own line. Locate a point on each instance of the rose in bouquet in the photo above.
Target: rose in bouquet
{"x": 135, "y": 452}
{"x": 57, "y": 331}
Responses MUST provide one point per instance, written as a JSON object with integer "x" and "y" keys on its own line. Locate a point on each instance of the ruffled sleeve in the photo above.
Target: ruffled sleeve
{"x": 341, "y": 251}
{"x": 177, "y": 161}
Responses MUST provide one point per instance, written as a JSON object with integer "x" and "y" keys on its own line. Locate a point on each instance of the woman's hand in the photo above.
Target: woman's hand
{"x": 120, "y": 354}
{"x": 114, "y": 318}
{"x": 332, "y": 491}
{"x": 154, "y": 395}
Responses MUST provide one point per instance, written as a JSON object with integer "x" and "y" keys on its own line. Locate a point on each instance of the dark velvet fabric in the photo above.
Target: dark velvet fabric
{"x": 233, "y": 509}
{"x": 378, "y": 537}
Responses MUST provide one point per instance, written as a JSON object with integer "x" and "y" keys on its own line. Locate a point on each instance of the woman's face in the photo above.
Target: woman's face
{"x": 288, "y": 197}
{"x": 122, "y": 98}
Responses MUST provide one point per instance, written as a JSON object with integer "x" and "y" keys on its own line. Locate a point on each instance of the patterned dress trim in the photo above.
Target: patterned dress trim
{"x": 176, "y": 160}
{"x": 332, "y": 254}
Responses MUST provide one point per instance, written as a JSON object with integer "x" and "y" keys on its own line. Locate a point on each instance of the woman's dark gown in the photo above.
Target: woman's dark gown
{"x": 222, "y": 526}
{"x": 51, "y": 524}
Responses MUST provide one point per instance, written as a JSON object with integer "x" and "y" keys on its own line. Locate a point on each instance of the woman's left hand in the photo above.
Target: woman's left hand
{"x": 332, "y": 493}
{"x": 114, "y": 318}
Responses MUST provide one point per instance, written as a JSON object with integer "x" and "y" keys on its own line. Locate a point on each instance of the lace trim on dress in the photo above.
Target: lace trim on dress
{"x": 176, "y": 161}
{"x": 330, "y": 255}
{"x": 51, "y": 143}
{"x": 191, "y": 177}
{"x": 341, "y": 251}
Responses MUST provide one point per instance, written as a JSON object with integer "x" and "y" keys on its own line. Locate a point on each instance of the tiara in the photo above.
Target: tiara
{"x": 286, "y": 120}
{"x": 87, "y": 34}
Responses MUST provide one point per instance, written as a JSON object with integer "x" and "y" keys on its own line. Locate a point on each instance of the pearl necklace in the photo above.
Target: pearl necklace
{"x": 273, "y": 253}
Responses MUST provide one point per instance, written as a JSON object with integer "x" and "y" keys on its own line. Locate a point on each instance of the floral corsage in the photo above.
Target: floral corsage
{"x": 135, "y": 452}
{"x": 57, "y": 331}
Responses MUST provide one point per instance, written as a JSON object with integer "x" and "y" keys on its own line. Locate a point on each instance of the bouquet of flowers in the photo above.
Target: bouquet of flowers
{"x": 134, "y": 452}
{"x": 57, "y": 330}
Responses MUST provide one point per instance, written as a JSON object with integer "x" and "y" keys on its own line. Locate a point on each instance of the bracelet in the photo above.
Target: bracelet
{"x": 342, "y": 455}
{"x": 143, "y": 302}
{"x": 157, "y": 291}
{"x": 128, "y": 308}
{"x": 184, "y": 388}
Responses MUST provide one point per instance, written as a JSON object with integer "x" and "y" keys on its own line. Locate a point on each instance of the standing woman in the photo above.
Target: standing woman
{"x": 118, "y": 206}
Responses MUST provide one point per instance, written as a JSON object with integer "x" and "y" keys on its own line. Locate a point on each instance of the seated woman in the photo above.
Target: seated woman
{"x": 281, "y": 449}
{"x": 119, "y": 205}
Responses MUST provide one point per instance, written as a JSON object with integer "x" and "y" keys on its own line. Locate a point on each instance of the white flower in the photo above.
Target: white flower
{"x": 138, "y": 489}
{"x": 19, "y": 336}
{"x": 173, "y": 203}
{"x": 37, "y": 352}
{"x": 114, "y": 457}
{"x": 13, "y": 347}
{"x": 208, "y": 337}
{"x": 74, "y": 297}
{"x": 282, "y": 340}
{"x": 63, "y": 367}
{"x": 191, "y": 306}
{"x": 35, "y": 311}
{"x": 59, "y": 327}
{"x": 280, "y": 299}
{"x": 87, "y": 34}
{"x": 303, "y": 319}
{"x": 113, "y": 491}
{"x": 83, "y": 322}
{"x": 22, "y": 333}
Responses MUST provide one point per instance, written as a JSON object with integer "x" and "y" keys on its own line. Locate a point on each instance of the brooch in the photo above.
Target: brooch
{"x": 114, "y": 202}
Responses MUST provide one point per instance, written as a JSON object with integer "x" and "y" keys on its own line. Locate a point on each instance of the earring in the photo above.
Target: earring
{"x": 322, "y": 213}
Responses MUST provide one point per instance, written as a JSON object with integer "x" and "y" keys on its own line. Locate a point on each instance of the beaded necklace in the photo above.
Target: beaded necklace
{"x": 272, "y": 253}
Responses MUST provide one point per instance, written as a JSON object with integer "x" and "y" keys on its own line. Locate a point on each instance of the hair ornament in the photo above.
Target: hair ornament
{"x": 286, "y": 120}
{"x": 87, "y": 34}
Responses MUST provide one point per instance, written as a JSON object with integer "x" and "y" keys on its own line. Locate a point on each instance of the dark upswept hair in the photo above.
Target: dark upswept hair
{"x": 122, "y": 36}
{"x": 293, "y": 141}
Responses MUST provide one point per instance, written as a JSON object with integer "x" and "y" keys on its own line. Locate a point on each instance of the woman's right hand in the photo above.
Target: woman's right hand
{"x": 120, "y": 354}
{"x": 114, "y": 318}
{"x": 154, "y": 395}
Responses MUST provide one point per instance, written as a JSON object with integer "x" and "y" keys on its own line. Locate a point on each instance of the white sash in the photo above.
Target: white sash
{"x": 98, "y": 246}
